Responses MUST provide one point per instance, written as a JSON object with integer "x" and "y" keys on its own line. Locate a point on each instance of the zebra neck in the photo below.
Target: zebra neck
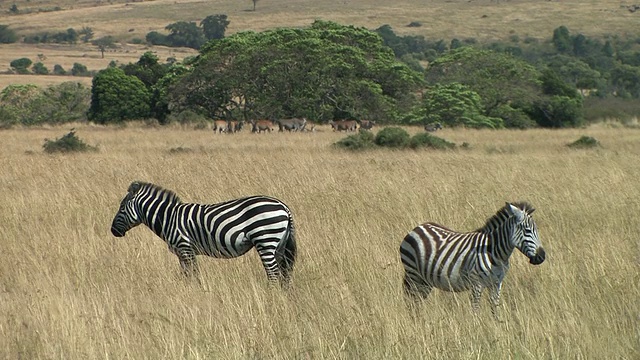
{"x": 499, "y": 244}
{"x": 157, "y": 215}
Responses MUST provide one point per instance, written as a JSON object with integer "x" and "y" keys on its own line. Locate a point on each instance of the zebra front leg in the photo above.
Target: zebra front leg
{"x": 476, "y": 293}
{"x": 494, "y": 297}
{"x": 189, "y": 265}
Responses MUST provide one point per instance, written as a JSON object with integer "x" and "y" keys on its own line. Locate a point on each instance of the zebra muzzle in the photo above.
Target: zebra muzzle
{"x": 117, "y": 232}
{"x": 538, "y": 258}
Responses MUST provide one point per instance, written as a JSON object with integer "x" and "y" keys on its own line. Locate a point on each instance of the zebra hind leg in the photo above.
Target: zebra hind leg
{"x": 416, "y": 290}
{"x": 267, "y": 253}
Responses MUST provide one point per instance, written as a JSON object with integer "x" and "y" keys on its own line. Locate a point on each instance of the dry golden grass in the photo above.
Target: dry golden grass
{"x": 71, "y": 290}
{"x": 441, "y": 19}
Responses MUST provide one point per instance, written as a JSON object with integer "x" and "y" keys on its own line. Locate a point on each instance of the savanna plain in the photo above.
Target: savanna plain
{"x": 71, "y": 290}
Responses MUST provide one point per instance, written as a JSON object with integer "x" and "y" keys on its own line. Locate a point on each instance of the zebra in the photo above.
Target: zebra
{"x": 224, "y": 230}
{"x": 435, "y": 256}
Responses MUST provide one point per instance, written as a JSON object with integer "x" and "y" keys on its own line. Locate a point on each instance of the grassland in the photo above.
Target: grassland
{"x": 71, "y": 290}
{"x": 484, "y": 20}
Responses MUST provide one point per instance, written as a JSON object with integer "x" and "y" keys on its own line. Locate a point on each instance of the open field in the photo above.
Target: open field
{"x": 71, "y": 290}
{"x": 484, "y": 20}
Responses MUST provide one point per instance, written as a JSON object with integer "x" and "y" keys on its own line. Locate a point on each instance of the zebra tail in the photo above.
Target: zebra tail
{"x": 287, "y": 251}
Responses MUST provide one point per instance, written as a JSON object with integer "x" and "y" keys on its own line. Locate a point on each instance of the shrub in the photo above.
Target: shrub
{"x": 585, "y": 142}
{"x": 67, "y": 143}
{"x": 392, "y": 137}
{"x": 59, "y": 70}
{"x": 21, "y": 65}
{"x": 362, "y": 140}
{"x": 40, "y": 69}
{"x": 79, "y": 70}
{"x": 7, "y": 36}
{"x": 424, "y": 140}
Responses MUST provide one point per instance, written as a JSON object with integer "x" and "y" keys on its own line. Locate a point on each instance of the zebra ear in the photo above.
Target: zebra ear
{"x": 515, "y": 211}
{"x": 134, "y": 187}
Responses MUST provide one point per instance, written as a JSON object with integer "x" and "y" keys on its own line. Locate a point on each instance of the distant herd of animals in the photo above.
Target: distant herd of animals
{"x": 433, "y": 256}
{"x": 299, "y": 125}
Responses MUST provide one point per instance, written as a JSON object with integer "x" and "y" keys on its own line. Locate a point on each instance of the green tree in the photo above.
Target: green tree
{"x": 214, "y": 26}
{"x": 21, "y": 65}
{"x": 562, "y": 39}
{"x": 150, "y": 71}
{"x": 59, "y": 70}
{"x": 104, "y": 43}
{"x": 40, "y": 69}
{"x": 72, "y": 100}
{"x": 500, "y": 79}
{"x": 116, "y": 97}
{"x": 626, "y": 80}
{"x": 185, "y": 33}
{"x": 574, "y": 71}
{"x": 156, "y": 38}
{"x": 79, "y": 70}
{"x": 7, "y": 36}
{"x": 86, "y": 34}
{"x": 455, "y": 104}
{"x": 323, "y": 72}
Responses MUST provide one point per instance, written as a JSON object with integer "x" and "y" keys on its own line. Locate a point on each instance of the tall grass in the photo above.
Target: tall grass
{"x": 70, "y": 290}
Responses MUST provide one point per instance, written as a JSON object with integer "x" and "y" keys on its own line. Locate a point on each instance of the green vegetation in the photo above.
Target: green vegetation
{"x": 31, "y": 105}
{"x": 329, "y": 71}
{"x": 360, "y": 141}
{"x": 323, "y": 72}
{"x": 393, "y": 137}
{"x": 21, "y": 65}
{"x": 7, "y": 36}
{"x": 116, "y": 96}
{"x": 189, "y": 34}
{"x": 584, "y": 142}
{"x": 66, "y": 144}
{"x": 425, "y": 140}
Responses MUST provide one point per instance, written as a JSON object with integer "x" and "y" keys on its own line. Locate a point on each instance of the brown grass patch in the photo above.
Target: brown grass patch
{"x": 71, "y": 290}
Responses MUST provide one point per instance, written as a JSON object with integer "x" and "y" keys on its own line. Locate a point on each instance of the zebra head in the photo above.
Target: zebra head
{"x": 127, "y": 216}
{"x": 525, "y": 235}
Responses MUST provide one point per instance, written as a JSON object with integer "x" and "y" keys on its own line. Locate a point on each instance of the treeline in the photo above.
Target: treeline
{"x": 180, "y": 34}
{"x": 330, "y": 71}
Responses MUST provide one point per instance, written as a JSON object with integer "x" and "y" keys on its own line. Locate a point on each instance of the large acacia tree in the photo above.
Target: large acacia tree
{"x": 322, "y": 72}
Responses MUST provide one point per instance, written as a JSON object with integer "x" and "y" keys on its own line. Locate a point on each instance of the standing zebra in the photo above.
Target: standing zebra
{"x": 434, "y": 256}
{"x": 224, "y": 230}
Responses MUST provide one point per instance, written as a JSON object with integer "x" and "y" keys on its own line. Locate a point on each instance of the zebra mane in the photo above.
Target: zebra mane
{"x": 503, "y": 214}
{"x": 156, "y": 188}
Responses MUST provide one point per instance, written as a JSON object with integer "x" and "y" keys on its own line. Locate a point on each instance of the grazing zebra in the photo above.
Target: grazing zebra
{"x": 224, "y": 230}
{"x": 434, "y": 256}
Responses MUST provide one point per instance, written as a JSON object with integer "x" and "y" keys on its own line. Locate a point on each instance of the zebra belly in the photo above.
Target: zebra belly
{"x": 452, "y": 279}
{"x": 230, "y": 247}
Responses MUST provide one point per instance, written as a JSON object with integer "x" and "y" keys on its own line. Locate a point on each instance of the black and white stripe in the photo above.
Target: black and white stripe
{"x": 434, "y": 256}
{"x": 224, "y": 230}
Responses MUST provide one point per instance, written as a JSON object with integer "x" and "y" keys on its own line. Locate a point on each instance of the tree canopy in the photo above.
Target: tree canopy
{"x": 323, "y": 72}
